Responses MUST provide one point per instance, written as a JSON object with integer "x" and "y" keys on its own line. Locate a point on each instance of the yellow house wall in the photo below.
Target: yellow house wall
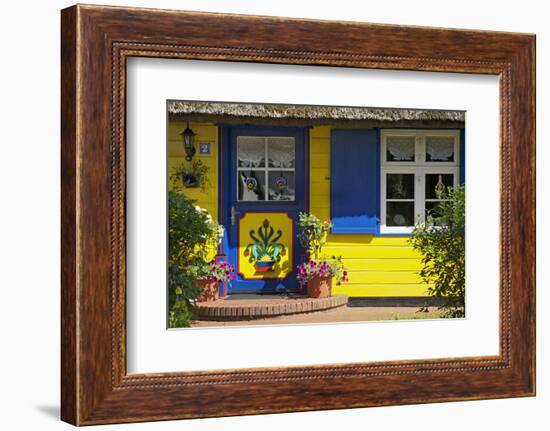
{"x": 207, "y": 198}
{"x": 377, "y": 265}
{"x": 205, "y": 132}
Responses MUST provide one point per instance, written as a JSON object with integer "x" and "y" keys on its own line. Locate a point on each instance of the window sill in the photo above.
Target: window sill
{"x": 366, "y": 231}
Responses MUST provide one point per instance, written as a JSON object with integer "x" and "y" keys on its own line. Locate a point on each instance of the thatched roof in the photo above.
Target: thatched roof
{"x": 309, "y": 113}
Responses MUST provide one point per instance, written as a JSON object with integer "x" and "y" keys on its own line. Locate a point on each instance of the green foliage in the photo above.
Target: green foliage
{"x": 194, "y": 174}
{"x": 313, "y": 233}
{"x": 191, "y": 234}
{"x": 441, "y": 241}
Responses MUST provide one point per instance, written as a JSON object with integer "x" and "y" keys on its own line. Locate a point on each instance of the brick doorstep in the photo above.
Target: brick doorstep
{"x": 260, "y": 308}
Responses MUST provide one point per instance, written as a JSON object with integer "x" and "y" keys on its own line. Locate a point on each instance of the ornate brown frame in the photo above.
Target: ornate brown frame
{"x": 95, "y": 43}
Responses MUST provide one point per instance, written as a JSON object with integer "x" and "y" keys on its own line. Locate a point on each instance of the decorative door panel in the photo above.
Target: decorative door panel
{"x": 264, "y": 192}
{"x": 266, "y": 245}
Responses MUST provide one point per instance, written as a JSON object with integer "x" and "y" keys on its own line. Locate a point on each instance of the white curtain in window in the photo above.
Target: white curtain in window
{"x": 401, "y": 147}
{"x": 440, "y": 148}
{"x": 250, "y": 151}
{"x": 280, "y": 152}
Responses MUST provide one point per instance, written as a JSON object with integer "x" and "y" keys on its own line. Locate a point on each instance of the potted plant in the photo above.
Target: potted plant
{"x": 192, "y": 175}
{"x": 318, "y": 276}
{"x": 209, "y": 276}
{"x": 318, "y": 273}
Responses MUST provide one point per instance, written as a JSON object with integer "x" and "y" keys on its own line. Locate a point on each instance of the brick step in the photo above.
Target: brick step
{"x": 248, "y": 309}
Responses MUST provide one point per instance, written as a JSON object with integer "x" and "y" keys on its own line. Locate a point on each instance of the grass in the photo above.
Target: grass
{"x": 418, "y": 315}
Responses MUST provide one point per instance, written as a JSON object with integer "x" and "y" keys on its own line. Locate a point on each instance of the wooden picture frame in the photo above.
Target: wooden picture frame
{"x": 95, "y": 42}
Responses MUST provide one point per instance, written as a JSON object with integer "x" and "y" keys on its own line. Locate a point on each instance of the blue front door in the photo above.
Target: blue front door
{"x": 264, "y": 186}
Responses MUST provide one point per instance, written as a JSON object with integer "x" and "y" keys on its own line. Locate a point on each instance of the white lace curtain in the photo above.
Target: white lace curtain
{"x": 401, "y": 147}
{"x": 440, "y": 148}
{"x": 280, "y": 152}
{"x": 251, "y": 152}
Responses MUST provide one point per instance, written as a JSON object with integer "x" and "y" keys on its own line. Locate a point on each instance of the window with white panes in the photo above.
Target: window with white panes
{"x": 414, "y": 165}
{"x": 266, "y": 168}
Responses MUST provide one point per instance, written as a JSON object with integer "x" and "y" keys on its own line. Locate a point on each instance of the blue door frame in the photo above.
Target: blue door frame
{"x": 228, "y": 199}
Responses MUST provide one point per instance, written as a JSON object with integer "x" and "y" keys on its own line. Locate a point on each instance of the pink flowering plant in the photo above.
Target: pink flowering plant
{"x": 221, "y": 271}
{"x": 313, "y": 236}
{"x": 322, "y": 268}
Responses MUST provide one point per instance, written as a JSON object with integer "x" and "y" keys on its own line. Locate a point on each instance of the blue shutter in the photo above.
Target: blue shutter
{"x": 462, "y": 176}
{"x": 354, "y": 181}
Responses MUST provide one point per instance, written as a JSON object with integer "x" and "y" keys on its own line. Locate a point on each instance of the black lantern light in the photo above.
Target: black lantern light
{"x": 188, "y": 138}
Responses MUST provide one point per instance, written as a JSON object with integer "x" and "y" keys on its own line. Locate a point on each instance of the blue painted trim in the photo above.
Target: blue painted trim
{"x": 462, "y": 156}
{"x": 307, "y": 176}
{"x": 354, "y": 181}
{"x": 229, "y": 192}
{"x": 351, "y": 229}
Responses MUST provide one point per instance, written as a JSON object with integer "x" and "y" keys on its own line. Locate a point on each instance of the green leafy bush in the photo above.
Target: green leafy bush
{"x": 192, "y": 235}
{"x": 441, "y": 241}
{"x": 313, "y": 233}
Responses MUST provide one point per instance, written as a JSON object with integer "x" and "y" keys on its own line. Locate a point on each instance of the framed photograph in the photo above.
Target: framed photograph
{"x": 267, "y": 215}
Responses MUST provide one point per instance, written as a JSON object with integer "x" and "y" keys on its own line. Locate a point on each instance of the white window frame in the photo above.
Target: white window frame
{"x": 419, "y": 167}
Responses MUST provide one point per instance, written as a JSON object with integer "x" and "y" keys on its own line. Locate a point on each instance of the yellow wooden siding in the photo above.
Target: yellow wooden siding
{"x": 381, "y": 290}
{"x": 377, "y": 265}
{"x": 205, "y": 132}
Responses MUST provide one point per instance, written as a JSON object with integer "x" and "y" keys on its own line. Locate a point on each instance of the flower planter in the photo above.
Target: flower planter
{"x": 319, "y": 287}
{"x": 190, "y": 181}
{"x": 209, "y": 289}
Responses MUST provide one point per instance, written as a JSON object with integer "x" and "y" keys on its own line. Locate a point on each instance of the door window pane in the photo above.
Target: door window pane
{"x": 399, "y": 213}
{"x": 266, "y": 168}
{"x": 281, "y": 186}
{"x": 400, "y": 186}
{"x": 281, "y": 152}
{"x": 440, "y": 148}
{"x": 250, "y": 152}
{"x": 435, "y": 182}
{"x": 251, "y": 185}
{"x": 400, "y": 148}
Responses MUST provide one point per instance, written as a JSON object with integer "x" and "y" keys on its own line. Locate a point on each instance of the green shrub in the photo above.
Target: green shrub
{"x": 191, "y": 237}
{"x": 440, "y": 239}
{"x": 313, "y": 233}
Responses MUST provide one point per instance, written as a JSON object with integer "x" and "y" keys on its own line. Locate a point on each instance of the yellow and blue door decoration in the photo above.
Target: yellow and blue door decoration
{"x": 266, "y": 246}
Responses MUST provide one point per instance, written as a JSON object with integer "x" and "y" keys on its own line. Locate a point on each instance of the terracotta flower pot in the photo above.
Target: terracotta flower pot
{"x": 319, "y": 287}
{"x": 209, "y": 289}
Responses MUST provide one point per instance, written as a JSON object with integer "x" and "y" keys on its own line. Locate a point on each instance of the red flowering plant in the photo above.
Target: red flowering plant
{"x": 323, "y": 268}
{"x": 220, "y": 271}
